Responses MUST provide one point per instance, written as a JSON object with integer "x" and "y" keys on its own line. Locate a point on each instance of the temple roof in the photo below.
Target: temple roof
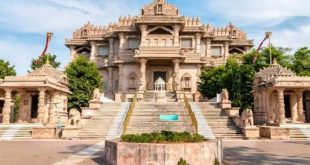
{"x": 274, "y": 71}
{"x": 49, "y": 70}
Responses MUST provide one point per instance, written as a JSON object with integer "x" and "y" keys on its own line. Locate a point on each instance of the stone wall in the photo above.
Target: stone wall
{"x": 203, "y": 153}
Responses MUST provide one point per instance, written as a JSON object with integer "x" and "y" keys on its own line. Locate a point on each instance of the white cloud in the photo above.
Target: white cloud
{"x": 269, "y": 12}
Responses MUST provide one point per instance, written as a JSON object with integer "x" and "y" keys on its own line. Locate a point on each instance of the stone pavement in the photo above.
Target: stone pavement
{"x": 47, "y": 152}
{"x": 267, "y": 152}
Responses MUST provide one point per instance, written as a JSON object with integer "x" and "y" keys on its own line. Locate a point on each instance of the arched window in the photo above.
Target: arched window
{"x": 132, "y": 82}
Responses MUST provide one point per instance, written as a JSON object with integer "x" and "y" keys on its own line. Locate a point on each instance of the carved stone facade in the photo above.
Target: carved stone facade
{"x": 42, "y": 96}
{"x": 280, "y": 96}
{"x": 135, "y": 51}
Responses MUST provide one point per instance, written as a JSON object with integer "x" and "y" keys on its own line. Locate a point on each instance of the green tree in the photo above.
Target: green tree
{"x": 263, "y": 58}
{"x": 35, "y": 64}
{"x": 83, "y": 77}
{"x": 301, "y": 62}
{"x": 236, "y": 78}
{"x": 6, "y": 69}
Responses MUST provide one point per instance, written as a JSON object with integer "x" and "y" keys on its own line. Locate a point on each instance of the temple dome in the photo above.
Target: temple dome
{"x": 274, "y": 71}
{"x": 49, "y": 71}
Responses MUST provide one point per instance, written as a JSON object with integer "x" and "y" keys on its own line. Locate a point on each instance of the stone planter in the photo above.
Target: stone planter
{"x": 251, "y": 132}
{"x": 47, "y": 132}
{"x": 225, "y": 104}
{"x": 70, "y": 132}
{"x": 272, "y": 132}
{"x": 121, "y": 153}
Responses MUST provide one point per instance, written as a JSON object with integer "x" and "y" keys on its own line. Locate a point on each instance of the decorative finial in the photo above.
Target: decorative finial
{"x": 275, "y": 62}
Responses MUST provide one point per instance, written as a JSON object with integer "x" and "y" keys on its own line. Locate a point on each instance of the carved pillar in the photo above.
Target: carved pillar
{"x": 53, "y": 109}
{"x": 264, "y": 106}
{"x": 7, "y": 106}
{"x": 176, "y": 66}
{"x": 176, "y": 30}
{"x": 281, "y": 106}
{"x": 198, "y": 72}
{"x": 93, "y": 51}
{"x": 22, "y": 108}
{"x": 111, "y": 50}
{"x": 226, "y": 50}
{"x": 41, "y": 105}
{"x": 120, "y": 80}
{"x": 121, "y": 42}
{"x": 143, "y": 76}
{"x": 73, "y": 53}
{"x": 198, "y": 38}
{"x": 208, "y": 47}
{"x": 110, "y": 90}
{"x": 300, "y": 108}
{"x": 143, "y": 29}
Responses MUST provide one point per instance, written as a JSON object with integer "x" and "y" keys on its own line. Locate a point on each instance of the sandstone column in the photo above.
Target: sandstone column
{"x": 120, "y": 78}
{"x": 41, "y": 105}
{"x": 53, "y": 109}
{"x": 73, "y": 53}
{"x": 121, "y": 42}
{"x": 198, "y": 38}
{"x": 176, "y": 30}
{"x": 226, "y": 50}
{"x": 22, "y": 108}
{"x": 143, "y": 76}
{"x": 110, "y": 90}
{"x": 300, "y": 108}
{"x": 93, "y": 51}
{"x": 176, "y": 66}
{"x": 143, "y": 29}
{"x": 7, "y": 106}
{"x": 281, "y": 106}
{"x": 111, "y": 50}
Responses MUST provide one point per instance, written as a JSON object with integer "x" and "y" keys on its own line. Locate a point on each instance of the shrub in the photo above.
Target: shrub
{"x": 162, "y": 137}
{"x": 216, "y": 162}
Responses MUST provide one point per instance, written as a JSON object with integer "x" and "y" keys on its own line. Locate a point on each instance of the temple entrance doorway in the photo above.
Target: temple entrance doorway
{"x": 34, "y": 106}
{"x": 306, "y": 99}
{"x": 287, "y": 104}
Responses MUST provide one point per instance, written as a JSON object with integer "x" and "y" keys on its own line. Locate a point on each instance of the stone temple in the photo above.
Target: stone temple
{"x": 158, "y": 43}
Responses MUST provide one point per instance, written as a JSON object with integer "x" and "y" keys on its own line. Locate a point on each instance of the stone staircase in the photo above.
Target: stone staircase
{"x": 17, "y": 131}
{"x": 146, "y": 118}
{"x": 149, "y": 96}
{"x": 221, "y": 125}
{"x": 106, "y": 123}
{"x": 301, "y": 133}
{"x": 171, "y": 96}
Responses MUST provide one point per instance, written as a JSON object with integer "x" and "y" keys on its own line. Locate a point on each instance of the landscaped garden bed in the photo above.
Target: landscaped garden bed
{"x": 162, "y": 148}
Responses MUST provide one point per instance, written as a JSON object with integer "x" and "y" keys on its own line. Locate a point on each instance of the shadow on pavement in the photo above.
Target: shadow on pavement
{"x": 250, "y": 156}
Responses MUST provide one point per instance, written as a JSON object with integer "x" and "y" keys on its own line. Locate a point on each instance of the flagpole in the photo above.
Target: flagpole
{"x": 269, "y": 35}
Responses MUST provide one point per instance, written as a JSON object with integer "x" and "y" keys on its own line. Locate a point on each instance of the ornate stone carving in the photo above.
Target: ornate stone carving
{"x": 96, "y": 95}
{"x": 247, "y": 118}
{"x": 224, "y": 95}
{"x": 74, "y": 117}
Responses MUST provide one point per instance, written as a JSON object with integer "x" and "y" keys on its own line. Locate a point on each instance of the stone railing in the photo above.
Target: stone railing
{"x": 191, "y": 113}
{"x": 129, "y": 113}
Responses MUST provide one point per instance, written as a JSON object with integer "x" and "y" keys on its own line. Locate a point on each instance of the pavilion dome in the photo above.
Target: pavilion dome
{"x": 48, "y": 70}
{"x": 274, "y": 71}
{"x": 160, "y": 81}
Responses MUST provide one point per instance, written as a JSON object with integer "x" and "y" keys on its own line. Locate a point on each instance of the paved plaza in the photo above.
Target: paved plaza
{"x": 69, "y": 152}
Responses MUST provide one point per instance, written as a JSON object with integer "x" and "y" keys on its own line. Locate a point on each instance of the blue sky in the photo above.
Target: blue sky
{"x": 23, "y": 23}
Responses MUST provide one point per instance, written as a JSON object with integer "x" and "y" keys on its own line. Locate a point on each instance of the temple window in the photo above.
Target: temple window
{"x": 186, "y": 82}
{"x": 186, "y": 43}
{"x": 216, "y": 51}
{"x": 103, "y": 51}
{"x": 160, "y": 9}
{"x": 84, "y": 33}
{"x": 133, "y": 43}
{"x": 132, "y": 84}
